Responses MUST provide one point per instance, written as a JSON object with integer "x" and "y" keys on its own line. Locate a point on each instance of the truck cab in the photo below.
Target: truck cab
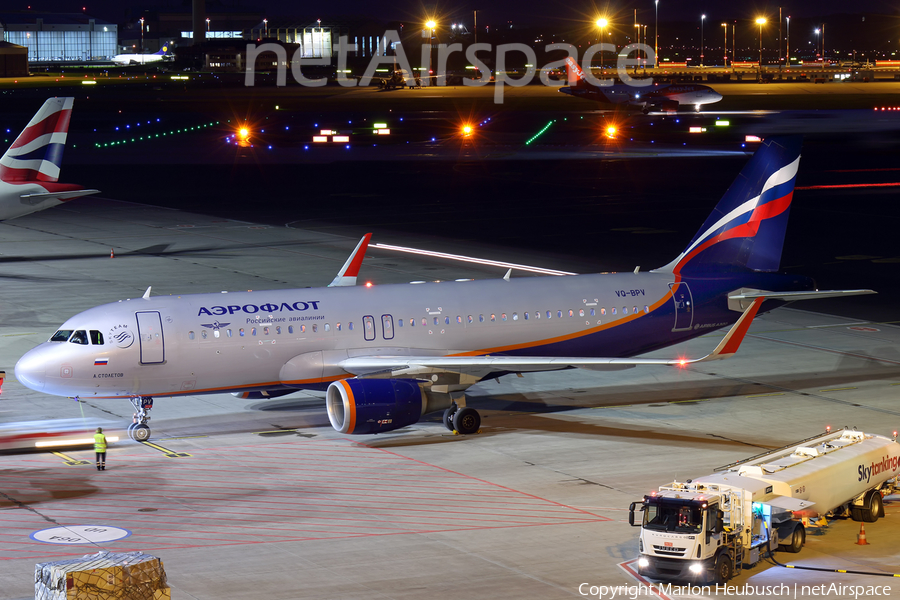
{"x": 681, "y": 536}
{"x": 706, "y": 531}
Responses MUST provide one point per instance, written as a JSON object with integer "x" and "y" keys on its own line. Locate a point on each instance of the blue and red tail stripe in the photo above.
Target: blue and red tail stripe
{"x": 746, "y": 230}
{"x": 36, "y": 154}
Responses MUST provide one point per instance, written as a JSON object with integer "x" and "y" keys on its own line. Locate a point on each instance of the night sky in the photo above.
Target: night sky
{"x": 495, "y": 13}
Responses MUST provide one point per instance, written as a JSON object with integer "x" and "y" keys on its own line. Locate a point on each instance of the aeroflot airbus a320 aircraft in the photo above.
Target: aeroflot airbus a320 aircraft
{"x": 388, "y": 354}
{"x": 29, "y": 170}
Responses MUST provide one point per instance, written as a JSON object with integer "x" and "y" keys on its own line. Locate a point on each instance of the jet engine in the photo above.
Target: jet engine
{"x": 361, "y": 406}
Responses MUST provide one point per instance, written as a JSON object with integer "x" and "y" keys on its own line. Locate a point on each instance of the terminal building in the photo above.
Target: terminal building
{"x": 60, "y": 37}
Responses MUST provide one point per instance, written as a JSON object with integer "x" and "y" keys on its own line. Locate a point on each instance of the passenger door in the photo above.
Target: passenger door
{"x": 150, "y": 335}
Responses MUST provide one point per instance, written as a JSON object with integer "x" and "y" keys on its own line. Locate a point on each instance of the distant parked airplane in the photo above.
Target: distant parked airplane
{"x": 389, "y": 354}
{"x": 140, "y": 59}
{"x": 667, "y": 97}
{"x": 29, "y": 170}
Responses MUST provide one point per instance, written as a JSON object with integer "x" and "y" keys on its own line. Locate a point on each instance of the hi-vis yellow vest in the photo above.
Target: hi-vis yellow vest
{"x": 99, "y": 442}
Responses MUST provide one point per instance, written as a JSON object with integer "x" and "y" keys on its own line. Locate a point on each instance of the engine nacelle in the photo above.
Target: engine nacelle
{"x": 360, "y": 406}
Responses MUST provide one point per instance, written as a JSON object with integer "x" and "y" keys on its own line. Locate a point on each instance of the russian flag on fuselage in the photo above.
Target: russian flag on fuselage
{"x": 746, "y": 230}
{"x": 37, "y": 152}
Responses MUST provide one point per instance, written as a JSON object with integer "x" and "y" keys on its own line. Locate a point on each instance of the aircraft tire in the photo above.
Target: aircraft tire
{"x": 139, "y": 433}
{"x": 448, "y": 417}
{"x": 467, "y": 421}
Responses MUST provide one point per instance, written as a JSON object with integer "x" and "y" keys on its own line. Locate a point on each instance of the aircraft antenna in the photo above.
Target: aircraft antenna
{"x": 147, "y": 293}
{"x": 506, "y": 277}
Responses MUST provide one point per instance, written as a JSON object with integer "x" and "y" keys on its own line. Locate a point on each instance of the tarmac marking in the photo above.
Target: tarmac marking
{"x": 72, "y": 462}
{"x": 166, "y": 452}
{"x": 838, "y": 389}
{"x": 772, "y": 394}
{"x": 828, "y": 350}
{"x": 273, "y": 431}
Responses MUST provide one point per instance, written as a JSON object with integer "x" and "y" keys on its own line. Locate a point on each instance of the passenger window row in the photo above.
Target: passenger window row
{"x": 424, "y": 321}
{"x": 493, "y": 318}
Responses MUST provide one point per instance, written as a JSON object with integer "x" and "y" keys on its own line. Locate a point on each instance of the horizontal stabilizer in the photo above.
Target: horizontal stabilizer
{"x": 482, "y": 365}
{"x": 61, "y": 195}
{"x": 741, "y": 299}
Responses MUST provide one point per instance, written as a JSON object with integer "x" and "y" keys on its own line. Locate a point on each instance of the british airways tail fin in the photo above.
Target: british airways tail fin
{"x": 746, "y": 229}
{"x": 29, "y": 170}
{"x": 37, "y": 152}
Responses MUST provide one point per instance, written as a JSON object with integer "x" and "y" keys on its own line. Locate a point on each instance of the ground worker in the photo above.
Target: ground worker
{"x": 100, "y": 449}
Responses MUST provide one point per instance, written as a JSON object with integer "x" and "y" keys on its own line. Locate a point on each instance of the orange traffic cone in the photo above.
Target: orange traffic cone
{"x": 861, "y": 536}
{"x": 112, "y": 253}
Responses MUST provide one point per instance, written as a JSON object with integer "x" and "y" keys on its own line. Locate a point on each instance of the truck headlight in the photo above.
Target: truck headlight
{"x": 696, "y": 568}
{"x": 643, "y": 562}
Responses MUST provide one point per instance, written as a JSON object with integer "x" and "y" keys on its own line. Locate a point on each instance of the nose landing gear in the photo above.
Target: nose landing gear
{"x": 139, "y": 431}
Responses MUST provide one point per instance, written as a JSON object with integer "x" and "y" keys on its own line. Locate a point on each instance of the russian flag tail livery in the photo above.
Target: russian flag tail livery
{"x": 37, "y": 152}
{"x": 573, "y": 72}
{"x": 746, "y": 229}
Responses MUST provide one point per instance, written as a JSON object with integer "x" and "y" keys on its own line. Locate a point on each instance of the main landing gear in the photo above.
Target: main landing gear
{"x": 139, "y": 431}
{"x": 462, "y": 420}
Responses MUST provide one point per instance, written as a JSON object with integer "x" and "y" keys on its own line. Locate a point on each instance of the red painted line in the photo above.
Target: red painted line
{"x": 628, "y": 567}
{"x": 490, "y": 483}
{"x": 847, "y": 186}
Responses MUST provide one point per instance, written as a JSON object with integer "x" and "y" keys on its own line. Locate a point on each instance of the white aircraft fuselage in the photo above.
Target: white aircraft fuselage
{"x": 388, "y": 354}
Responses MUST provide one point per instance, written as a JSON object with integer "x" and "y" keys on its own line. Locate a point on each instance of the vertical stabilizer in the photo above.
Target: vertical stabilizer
{"x": 746, "y": 229}
{"x": 37, "y": 152}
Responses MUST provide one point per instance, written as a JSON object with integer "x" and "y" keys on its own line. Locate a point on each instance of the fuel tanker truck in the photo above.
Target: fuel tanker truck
{"x": 708, "y": 529}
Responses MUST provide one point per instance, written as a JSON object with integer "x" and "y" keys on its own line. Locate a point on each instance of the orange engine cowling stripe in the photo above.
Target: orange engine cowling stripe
{"x": 351, "y": 406}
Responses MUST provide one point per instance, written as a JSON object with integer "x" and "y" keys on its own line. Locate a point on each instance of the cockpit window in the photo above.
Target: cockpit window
{"x": 96, "y": 337}
{"x": 61, "y": 336}
{"x": 79, "y": 337}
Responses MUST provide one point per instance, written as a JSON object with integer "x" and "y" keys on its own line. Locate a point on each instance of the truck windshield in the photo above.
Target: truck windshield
{"x": 671, "y": 514}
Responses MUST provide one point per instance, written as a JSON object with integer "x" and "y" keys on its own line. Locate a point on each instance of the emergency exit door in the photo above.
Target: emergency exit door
{"x": 150, "y": 335}
{"x": 684, "y": 306}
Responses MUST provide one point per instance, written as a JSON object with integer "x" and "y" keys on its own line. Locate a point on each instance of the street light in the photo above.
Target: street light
{"x": 266, "y": 23}
{"x": 702, "y": 20}
{"x": 817, "y": 42}
{"x": 601, "y": 23}
{"x": 656, "y": 33}
{"x": 430, "y": 24}
{"x": 725, "y": 47}
{"x": 787, "y": 60}
{"x": 760, "y": 21}
{"x": 207, "y": 24}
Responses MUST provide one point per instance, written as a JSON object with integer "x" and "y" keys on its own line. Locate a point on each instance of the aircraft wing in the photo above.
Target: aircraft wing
{"x": 482, "y": 365}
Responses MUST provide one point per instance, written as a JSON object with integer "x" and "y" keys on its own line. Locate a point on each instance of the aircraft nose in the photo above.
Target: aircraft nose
{"x": 31, "y": 370}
